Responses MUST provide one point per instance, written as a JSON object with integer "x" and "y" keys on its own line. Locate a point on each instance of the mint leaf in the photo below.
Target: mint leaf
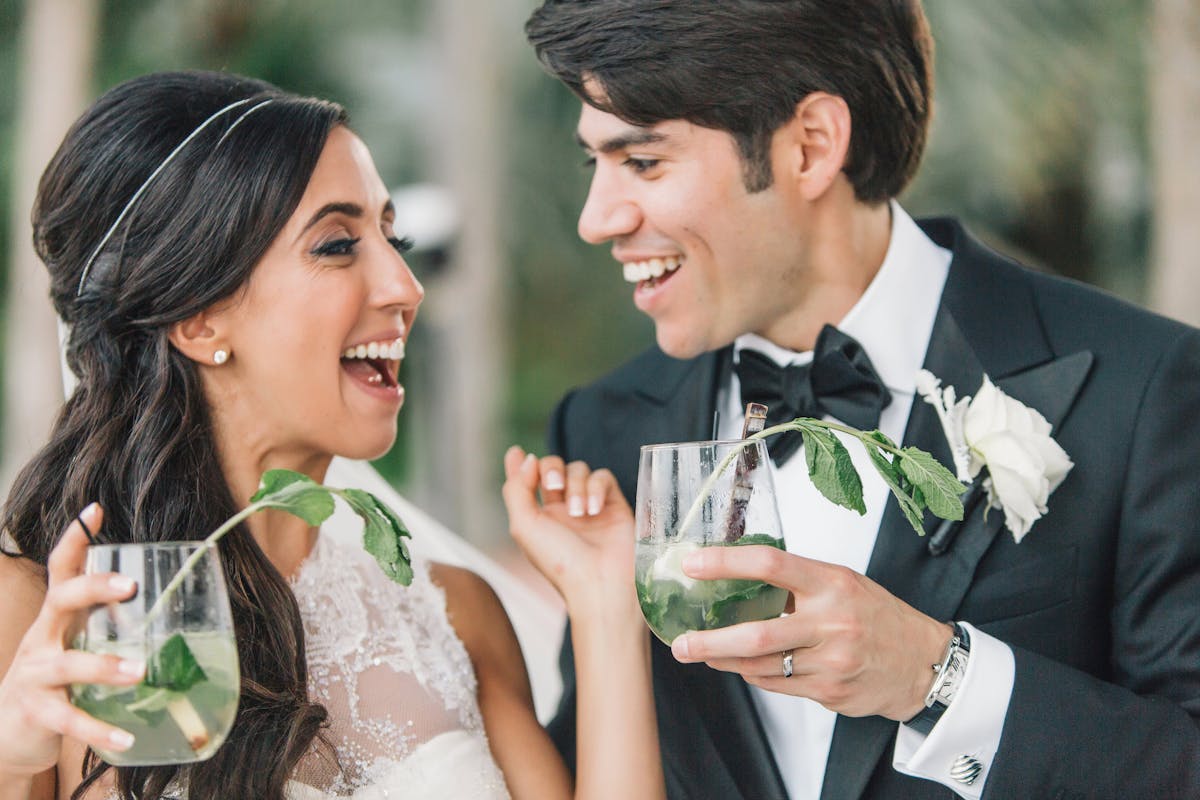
{"x": 882, "y": 459}
{"x": 383, "y": 534}
{"x": 913, "y": 511}
{"x": 831, "y": 470}
{"x": 296, "y": 494}
{"x": 732, "y": 608}
{"x": 150, "y": 704}
{"x": 939, "y": 487}
{"x": 275, "y": 479}
{"x": 665, "y": 608}
{"x": 174, "y": 666}
{"x": 760, "y": 538}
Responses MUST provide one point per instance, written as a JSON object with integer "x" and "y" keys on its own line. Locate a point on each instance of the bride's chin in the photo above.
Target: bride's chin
{"x": 366, "y": 448}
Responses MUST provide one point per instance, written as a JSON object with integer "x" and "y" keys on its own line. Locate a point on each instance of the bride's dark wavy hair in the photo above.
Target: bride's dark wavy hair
{"x": 136, "y": 434}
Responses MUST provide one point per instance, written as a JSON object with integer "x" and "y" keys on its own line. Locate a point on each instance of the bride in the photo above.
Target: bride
{"x": 224, "y": 255}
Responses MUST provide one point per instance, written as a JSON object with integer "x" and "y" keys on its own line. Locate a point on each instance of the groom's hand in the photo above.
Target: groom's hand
{"x": 856, "y": 649}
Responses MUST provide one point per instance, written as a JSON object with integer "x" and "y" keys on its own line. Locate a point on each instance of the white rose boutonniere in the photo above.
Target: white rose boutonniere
{"x": 1010, "y": 439}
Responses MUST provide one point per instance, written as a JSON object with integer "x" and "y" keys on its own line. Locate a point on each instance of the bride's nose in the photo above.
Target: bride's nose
{"x": 393, "y": 284}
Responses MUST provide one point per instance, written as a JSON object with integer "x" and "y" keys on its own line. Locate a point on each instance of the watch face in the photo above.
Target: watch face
{"x": 953, "y": 675}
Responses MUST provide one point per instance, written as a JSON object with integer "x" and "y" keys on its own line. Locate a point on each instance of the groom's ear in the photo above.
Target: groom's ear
{"x": 198, "y": 336}
{"x": 813, "y": 144}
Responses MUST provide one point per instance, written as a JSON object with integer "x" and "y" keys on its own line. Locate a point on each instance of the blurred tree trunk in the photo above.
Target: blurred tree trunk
{"x": 470, "y": 309}
{"x": 1175, "y": 138}
{"x": 57, "y": 45}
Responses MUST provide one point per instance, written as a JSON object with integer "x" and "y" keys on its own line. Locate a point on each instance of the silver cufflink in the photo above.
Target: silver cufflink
{"x": 965, "y": 770}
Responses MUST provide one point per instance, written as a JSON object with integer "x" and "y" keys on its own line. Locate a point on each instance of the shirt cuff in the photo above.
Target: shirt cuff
{"x": 971, "y": 725}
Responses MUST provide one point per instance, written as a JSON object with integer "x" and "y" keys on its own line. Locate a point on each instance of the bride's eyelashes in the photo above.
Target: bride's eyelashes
{"x": 345, "y": 246}
{"x": 336, "y": 247}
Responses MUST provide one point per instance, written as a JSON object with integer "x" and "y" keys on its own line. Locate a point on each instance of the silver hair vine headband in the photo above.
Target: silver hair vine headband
{"x": 178, "y": 148}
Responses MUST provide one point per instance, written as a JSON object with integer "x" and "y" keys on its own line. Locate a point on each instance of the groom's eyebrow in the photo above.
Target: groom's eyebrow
{"x": 634, "y": 138}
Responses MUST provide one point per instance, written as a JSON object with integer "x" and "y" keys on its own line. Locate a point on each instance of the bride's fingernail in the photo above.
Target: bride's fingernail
{"x": 575, "y": 506}
{"x": 120, "y": 740}
{"x": 594, "y": 505}
{"x": 121, "y": 584}
{"x": 131, "y": 667}
{"x": 554, "y": 480}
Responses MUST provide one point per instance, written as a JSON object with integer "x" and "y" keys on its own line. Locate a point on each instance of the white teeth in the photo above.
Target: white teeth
{"x": 392, "y": 351}
{"x": 376, "y": 378}
{"x": 637, "y": 271}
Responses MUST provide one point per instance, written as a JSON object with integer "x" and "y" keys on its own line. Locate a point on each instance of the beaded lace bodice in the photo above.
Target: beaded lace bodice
{"x": 396, "y": 680}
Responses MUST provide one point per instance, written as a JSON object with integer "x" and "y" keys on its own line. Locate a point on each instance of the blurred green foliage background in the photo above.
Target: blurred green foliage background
{"x": 1039, "y": 142}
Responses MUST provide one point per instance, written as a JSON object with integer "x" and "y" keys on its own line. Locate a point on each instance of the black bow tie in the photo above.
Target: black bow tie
{"x": 840, "y": 382}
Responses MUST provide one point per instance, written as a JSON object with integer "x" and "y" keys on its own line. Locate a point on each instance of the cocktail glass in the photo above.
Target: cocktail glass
{"x": 703, "y": 494}
{"x": 183, "y": 708}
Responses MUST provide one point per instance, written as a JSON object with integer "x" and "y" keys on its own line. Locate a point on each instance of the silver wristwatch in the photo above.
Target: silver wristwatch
{"x": 946, "y": 682}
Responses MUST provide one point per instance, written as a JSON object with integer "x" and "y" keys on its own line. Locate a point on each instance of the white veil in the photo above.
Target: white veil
{"x": 537, "y": 620}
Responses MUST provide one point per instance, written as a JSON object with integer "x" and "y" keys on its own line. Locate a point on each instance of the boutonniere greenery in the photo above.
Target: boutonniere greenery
{"x": 1009, "y": 439}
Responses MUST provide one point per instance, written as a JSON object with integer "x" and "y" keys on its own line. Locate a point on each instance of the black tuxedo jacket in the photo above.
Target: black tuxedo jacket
{"x": 1100, "y": 602}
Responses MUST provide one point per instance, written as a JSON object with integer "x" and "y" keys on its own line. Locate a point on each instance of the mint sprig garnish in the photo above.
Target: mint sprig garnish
{"x": 916, "y": 479}
{"x": 297, "y": 494}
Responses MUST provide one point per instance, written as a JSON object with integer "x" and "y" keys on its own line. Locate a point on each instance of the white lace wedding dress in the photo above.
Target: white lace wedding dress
{"x": 399, "y": 688}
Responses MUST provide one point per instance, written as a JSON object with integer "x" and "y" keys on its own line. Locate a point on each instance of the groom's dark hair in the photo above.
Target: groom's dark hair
{"x": 741, "y": 66}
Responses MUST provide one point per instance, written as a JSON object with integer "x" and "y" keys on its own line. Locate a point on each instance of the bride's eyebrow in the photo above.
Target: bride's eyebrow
{"x": 349, "y": 209}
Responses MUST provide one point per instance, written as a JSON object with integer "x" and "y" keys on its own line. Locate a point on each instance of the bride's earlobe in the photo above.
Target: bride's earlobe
{"x": 197, "y": 338}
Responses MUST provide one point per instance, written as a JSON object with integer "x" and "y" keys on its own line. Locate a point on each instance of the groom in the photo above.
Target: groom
{"x": 746, "y": 155}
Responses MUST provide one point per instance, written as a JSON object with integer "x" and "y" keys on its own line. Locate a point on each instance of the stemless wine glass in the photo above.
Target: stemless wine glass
{"x": 703, "y": 494}
{"x": 181, "y": 626}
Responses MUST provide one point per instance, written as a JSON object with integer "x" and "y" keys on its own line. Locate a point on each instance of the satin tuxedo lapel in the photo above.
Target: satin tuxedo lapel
{"x": 667, "y": 400}
{"x": 987, "y": 323}
{"x": 719, "y": 748}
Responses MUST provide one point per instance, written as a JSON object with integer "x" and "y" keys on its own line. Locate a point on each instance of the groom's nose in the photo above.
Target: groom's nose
{"x": 608, "y": 211}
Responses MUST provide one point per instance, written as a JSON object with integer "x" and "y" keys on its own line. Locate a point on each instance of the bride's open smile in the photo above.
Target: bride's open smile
{"x": 376, "y": 364}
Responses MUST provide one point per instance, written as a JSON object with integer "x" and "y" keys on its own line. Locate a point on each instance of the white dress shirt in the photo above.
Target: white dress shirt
{"x": 893, "y": 321}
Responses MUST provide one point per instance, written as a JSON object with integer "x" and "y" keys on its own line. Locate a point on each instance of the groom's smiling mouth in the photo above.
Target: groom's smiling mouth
{"x": 652, "y": 272}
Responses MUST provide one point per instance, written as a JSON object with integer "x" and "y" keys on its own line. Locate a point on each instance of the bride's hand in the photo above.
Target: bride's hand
{"x": 580, "y": 536}
{"x": 34, "y": 711}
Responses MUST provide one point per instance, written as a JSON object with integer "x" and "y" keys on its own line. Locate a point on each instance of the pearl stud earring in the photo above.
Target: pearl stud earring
{"x": 220, "y": 357}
